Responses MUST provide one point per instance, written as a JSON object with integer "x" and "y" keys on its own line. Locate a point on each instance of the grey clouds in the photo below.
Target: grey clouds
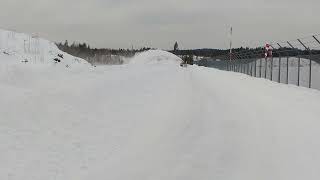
{"x": 194, "y": 24}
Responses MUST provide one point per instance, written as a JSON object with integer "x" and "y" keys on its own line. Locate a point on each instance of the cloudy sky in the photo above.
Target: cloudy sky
{"x": 193, "y": 23}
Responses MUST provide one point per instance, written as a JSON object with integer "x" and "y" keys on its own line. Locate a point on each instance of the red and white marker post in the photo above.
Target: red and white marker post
{"x": 268, "y": 51}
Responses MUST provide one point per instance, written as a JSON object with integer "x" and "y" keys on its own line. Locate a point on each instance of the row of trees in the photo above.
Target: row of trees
{"x": 98, "y": 56}
{"x": 197, "y": 52}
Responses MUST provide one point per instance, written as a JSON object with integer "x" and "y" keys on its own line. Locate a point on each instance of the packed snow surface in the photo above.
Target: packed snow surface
{"x": 154, "y": 121}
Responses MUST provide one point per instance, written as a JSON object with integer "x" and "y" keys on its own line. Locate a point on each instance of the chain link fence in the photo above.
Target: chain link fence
{"x": 290, "y": 62}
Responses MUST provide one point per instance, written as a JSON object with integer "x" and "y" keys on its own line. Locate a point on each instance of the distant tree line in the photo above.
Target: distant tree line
{"x": 246, "y": 51}
{"x": 98, "y": 56}
{"x": 200, "y": 52}
{"x": 283, "y": 52}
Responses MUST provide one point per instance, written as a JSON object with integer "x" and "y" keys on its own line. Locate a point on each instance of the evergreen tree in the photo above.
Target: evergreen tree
{"x": 176, "y": 47}
{"x": 66, "y": 44}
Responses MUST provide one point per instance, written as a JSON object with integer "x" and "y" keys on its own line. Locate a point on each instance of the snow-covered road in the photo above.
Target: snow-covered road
{"x": 154, "y": 122}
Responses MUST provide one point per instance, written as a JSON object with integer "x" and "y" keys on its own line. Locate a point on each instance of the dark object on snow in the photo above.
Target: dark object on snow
{"x": 25, "y": 61}
{"x": 188, "y": 59}
{"x": 183, "y": 64}
{"x": 57, "y": 60}
{"x": 60, "y": 56}
{"x": 4, "y": 52}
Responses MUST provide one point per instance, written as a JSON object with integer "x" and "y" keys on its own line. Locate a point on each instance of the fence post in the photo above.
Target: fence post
{"x": 255, "y": 68}
{"x": 246, "y": 67}
{"x": 271, "y": 69}
{"x": 279, "y": 76}
{"x": 299, "y": 59}
{"x": 260, "y": 68}
{"x": 299, "y": 62}
{"x": 225, "y": 66}
{"x": 238, "y": 66}
{"x": 243, "y": 67}
{"x": 266, "y": 68}
{"x": 310, "y": 62}
{"x": 251, "y": 69}
{"x": 310, "y": 70}
{"x": 287, "y": 69}
{"x": 280, "y": 64}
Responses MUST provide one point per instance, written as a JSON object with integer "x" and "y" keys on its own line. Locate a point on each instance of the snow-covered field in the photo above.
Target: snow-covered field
{"x": 152, "y": 119}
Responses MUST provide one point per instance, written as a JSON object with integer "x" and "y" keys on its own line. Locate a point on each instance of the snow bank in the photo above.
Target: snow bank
{"x": 155, "y": 57}
{"x": 17, "y": 48}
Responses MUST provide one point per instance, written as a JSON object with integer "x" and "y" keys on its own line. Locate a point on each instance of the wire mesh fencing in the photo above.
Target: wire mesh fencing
{"x": 290, "y": 62}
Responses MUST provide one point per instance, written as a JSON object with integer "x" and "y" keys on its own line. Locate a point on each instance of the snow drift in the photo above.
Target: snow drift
{"x": 155, "y": 57}
{"x": 17, "y": 47}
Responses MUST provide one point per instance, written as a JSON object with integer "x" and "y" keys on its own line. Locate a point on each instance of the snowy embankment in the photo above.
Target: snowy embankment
{"x": 151, "y": 119}
{"x": 18, "y": 48}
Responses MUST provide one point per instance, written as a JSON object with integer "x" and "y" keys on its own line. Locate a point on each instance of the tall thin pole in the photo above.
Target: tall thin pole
{"x": 231, "y": 32}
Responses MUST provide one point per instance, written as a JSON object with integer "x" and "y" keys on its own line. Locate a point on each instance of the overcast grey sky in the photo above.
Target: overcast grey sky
{"x": 193, "y": 23}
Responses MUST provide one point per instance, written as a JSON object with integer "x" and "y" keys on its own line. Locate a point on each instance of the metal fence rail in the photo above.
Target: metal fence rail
{"x": 292, "y": 62}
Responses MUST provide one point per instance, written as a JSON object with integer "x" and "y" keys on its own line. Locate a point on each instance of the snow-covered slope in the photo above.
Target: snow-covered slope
{"x": 17, "y": 47}
{"x": 155, "y": 121}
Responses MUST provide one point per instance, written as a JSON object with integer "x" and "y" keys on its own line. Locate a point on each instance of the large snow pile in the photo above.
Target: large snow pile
{"x": 17, "y": 48}
{"x": 155, "y": 57}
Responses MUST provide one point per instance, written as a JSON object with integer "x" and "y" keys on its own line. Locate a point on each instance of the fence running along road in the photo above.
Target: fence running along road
{"x": 291, "y": 62}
